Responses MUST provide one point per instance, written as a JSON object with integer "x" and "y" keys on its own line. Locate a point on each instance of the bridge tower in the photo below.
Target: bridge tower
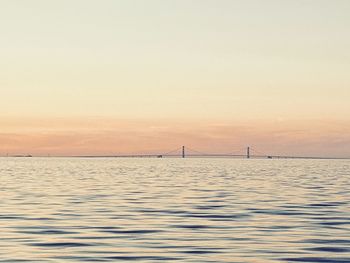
{"x": 248, "y": 152}
{"x": 183, "y": 151}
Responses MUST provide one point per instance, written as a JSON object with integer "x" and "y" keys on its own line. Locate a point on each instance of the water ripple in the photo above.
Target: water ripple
{"x": 163, "y": 210}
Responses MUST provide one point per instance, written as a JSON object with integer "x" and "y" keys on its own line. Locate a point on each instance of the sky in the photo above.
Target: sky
{"x": 122, "y": 76}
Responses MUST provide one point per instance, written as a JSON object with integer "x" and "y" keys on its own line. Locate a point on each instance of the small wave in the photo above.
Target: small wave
{"x": 61, "y": 244}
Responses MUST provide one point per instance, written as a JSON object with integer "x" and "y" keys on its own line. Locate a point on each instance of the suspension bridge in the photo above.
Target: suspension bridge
{"x": 186, "y": 152}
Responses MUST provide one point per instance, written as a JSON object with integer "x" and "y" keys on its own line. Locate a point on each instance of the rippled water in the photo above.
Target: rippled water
{"x": 185, "y": 210}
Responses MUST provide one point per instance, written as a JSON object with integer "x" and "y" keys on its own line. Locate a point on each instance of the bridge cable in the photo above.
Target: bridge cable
{"x": 198, "y": 152}
{"x": 167, "y": 153}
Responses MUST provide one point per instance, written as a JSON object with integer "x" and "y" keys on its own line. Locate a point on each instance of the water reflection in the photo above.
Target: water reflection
{"x": 185, "y": 210}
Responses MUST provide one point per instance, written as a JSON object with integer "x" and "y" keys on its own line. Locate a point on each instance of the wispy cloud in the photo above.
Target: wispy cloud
{"x": 111, "y": 136}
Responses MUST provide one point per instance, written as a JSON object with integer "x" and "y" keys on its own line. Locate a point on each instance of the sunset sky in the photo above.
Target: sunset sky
{"x": 123, "y": 76}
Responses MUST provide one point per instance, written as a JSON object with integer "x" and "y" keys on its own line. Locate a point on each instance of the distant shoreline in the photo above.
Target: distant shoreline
{"x": 147, "y": 156}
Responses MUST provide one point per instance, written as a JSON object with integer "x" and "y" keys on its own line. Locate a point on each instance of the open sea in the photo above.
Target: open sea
{"x": 181, "y": 210}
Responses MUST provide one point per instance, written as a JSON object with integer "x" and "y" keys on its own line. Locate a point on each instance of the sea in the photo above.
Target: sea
{"x": 174, "y": 209}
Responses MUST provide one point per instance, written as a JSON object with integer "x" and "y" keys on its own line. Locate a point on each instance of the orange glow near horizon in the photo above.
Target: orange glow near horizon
{"x": 101, "y": 136}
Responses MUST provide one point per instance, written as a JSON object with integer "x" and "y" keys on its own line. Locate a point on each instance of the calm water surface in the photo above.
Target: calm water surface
{"x": 184, "y": 210}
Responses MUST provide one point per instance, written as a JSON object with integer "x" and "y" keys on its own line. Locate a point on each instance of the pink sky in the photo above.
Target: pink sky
{"x": 102, "y": 136}
{"x": 212, "y": 75}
